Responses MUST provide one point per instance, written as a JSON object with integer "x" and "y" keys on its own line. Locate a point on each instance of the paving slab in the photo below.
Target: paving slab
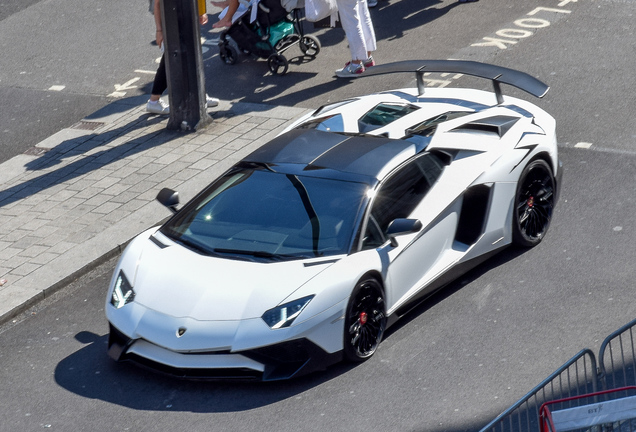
{"x": 82, "y": 194}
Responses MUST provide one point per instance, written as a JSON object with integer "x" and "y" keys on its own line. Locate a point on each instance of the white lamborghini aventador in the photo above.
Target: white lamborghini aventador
{"x": 303, "y": 253}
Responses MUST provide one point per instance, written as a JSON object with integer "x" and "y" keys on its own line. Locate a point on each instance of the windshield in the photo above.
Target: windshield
{"x": 260, "y": 214}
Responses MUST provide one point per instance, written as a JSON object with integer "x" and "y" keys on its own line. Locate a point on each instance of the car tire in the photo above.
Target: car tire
{"x": 365, "y": 321}
{"x": 534, "y": 203}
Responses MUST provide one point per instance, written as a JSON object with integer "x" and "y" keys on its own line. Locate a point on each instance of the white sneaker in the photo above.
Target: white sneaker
{"x": 350, "y": 70}
{"x": 211, "y": 102}
{"x": 367, "y": 63}
{"x": 158, "y": 107}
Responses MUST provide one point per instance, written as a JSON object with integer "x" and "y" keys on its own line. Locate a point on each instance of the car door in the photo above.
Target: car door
{"x": 400, "y": 196}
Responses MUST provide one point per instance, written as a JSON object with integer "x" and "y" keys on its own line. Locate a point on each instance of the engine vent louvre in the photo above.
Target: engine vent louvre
{"x": 498, "y": 125}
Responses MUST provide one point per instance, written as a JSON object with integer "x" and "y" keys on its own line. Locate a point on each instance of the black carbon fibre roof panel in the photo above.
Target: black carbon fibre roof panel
{"x": 365, "y": 155}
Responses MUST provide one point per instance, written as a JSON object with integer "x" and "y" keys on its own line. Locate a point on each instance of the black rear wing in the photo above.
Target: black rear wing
{"x": 497, "y": 74}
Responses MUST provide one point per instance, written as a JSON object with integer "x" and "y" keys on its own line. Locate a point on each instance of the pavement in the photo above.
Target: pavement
{"x": 77, "y": 198}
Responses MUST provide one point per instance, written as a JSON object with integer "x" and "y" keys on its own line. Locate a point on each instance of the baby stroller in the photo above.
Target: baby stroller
{"x": 274, "y": 30}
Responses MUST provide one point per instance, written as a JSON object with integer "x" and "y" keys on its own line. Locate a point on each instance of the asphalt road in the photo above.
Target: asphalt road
{"x": 451, "y": 365}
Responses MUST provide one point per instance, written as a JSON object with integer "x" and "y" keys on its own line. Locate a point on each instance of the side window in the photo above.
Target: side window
{"x": 399, "y": 195}
{"x": 431, "y": 167}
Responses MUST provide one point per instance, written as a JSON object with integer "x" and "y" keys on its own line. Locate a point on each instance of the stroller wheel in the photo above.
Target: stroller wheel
{"x": 309, "y": 45}
{"x": 277, "y": 64}
{"x": 228, "y": 54}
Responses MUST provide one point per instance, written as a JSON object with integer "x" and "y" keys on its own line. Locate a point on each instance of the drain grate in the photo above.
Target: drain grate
{"x": 87, "y": 125}
{"x": 36, "y": 151}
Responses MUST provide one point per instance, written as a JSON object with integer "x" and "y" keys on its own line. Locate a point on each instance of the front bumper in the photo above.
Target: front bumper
{"x": 275, "y": 362}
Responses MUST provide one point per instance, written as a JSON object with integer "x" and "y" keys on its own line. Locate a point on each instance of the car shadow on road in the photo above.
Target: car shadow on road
{"x": 90, "y": 373}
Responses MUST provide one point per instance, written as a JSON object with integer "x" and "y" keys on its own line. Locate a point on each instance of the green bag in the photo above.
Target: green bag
{"x": 280, "y": 30}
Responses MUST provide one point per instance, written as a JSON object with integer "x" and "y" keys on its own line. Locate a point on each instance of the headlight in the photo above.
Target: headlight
{"x": 282, "y": 316}
{"x": 123, "y": 292}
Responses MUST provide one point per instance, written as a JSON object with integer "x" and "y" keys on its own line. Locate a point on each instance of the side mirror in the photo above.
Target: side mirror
{"x": 169, "y": 198}
{"x": 402, "y": 227}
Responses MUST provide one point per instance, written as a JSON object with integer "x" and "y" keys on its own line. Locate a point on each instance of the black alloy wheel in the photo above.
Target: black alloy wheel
{"x": 534, "y": 203}
{"x": 365, "y": 321}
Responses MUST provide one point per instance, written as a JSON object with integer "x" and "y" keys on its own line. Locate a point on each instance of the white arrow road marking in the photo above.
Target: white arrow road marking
{"x": 117, "y": 94}
{"x": 127, "y": 85}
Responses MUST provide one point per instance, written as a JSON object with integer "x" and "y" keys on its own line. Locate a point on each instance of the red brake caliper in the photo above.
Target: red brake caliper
{"x": 530, "y": 202}
{"x": 363, "y": 318}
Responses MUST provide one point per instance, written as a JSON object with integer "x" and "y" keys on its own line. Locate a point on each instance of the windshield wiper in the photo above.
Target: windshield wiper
{"x": 192, "y": 245}
{"x": 260, "y": 254}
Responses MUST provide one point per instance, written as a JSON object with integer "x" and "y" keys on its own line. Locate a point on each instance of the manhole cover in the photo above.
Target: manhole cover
{"x": 87, "y": 125}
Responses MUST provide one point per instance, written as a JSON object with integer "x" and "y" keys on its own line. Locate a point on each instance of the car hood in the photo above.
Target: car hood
{"x": 178, "y": 282}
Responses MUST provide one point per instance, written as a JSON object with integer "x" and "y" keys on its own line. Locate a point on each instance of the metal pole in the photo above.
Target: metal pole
{"x": 184, "y": 65}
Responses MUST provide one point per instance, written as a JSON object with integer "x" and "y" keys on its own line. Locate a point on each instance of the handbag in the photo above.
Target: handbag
{"x": 316, "y": 10}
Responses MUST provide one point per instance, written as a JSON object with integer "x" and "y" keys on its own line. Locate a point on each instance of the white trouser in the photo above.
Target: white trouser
{"x": 356, "y": 22}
